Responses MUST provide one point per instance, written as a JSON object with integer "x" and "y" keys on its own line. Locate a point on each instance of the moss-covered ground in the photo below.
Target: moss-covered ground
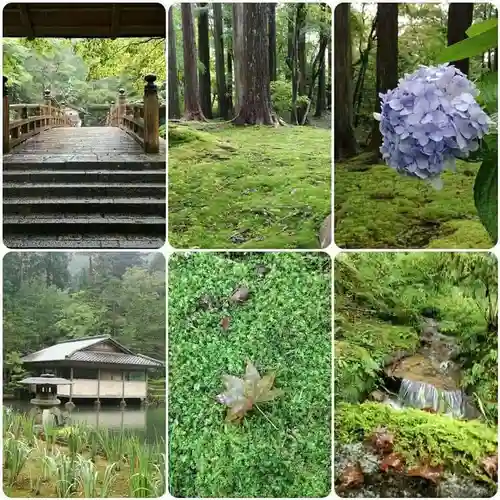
{"x": 284, "y": 327}
{"x": 248, "y": 187}
{"x": 375, "y": 207}
{"x": 420, "y": 437}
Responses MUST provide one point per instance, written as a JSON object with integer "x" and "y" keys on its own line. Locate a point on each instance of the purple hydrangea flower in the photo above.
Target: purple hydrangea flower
{"x": 430, "y": 119}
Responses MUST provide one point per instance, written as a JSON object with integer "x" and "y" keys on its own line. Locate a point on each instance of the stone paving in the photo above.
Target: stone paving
{"x": 90, "y": 187}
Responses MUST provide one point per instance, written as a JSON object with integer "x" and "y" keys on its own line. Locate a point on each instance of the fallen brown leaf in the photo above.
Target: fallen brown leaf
{"x": 432, "y": 473}
{"x": 352, "y": 476}
{"x": 224, "y": 322}
{"x": 429, "y": 410}
{"x": 490, "y": 465}
{"x": 382, "y": 440}
{"x": 393, "y": 461}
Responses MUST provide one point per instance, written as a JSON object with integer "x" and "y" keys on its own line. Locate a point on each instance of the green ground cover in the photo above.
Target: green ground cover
{"x": 248, "y": 187}
{"x": 284, "y": 327}
{"x": 375, "y": 207}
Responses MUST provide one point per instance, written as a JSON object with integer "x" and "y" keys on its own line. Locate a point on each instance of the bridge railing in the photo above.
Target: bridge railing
{"x": 141, "y": 121}
{"x": 22, "y": 121}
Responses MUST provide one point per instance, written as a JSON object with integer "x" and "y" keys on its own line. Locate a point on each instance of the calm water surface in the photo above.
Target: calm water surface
{"x": 147, "y": 423}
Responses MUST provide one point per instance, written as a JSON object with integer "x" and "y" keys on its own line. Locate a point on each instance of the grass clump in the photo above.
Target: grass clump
{"x": 419, "y": 436}
{"x": 376, "y": 207}
{"x": 284, "y": 327}
{"x": 248, "y": 187}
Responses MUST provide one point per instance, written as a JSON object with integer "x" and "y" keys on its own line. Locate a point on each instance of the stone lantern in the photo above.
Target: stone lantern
{"x": 45, "y": 401}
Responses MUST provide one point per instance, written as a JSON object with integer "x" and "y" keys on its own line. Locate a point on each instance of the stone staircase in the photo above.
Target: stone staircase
{"x": 87, "y": 204}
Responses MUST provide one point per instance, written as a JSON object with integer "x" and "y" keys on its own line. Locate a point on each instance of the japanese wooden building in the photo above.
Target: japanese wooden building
{"x": 98, "y": 368}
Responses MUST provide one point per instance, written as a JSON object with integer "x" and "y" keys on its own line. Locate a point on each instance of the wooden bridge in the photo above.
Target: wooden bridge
{"x": 67, "y": 186}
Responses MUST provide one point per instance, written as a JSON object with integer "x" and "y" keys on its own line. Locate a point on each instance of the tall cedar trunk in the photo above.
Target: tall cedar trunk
{"x": 387, "y": 61}
{"x": 323, "y": 39}
{"x": 230, "y": 82}
{"x": 204, "y": 57}
{"x": 192, "y": 108}
{"x": 272, "y": 42}
{"x": 298, "y": 62}
{"x": 345, "y": 142}
{"x": 459, "y": 20}
{"x": 290, "y": 38}
{"x": 256, "y": 106}
{"x": 174, "y": 110}
{"x": 220, "y": 70}
{"x": 238, "y": 54}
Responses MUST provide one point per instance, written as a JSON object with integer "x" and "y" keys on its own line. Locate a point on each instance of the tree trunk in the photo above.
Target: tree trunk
{"x": 272, "y": 42}
{"x": 204, "y": 57}
{"x": 174, "y": 110}
{"x": 192, "y": 108}
{"x": 459, "y": 20}
{"x": 230, "y": 82}
{"x": 330, "y": 74}
{"x": 238, "y": 54}
{"x": 345, "y": 142}
{"x": 220, "y": 71}
{"x": 298, "y": 62}
{"x": 290, "y": 38}
{"x": 324, "y": 37}
{"x": 387, "y": 61}
{"x": 256, "y": 106}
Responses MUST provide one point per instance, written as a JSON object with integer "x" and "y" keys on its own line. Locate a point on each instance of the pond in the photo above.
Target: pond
{"x": 148, "y": 423}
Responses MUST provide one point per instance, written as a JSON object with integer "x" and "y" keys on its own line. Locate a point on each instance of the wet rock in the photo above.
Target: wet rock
{"x": 378, "y": 396}
{"x": 453, "y": 486}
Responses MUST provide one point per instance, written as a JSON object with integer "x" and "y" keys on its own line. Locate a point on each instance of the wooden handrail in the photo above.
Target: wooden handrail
{"x": 141, "y": 120}
{"x": 22, "y": 121}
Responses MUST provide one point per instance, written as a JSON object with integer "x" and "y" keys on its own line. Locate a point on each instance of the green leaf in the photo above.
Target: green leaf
{"x": 486, "y": 195}
{"x": 481, "y": 27}
{"x": 470, "y": 46}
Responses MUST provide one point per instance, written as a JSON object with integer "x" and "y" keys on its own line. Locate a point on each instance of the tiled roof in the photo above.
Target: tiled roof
{"x": 46, "y": 380}
{"x": 113, "y": 358}
{"x": 74, "y": 350}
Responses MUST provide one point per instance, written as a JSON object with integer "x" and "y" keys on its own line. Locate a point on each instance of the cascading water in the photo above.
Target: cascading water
{"x": 424, "y": 395}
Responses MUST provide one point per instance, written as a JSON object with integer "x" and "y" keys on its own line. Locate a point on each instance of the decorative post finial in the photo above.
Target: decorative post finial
{"x": 121, "y": 91}
{"x": 46, "y": 94}
{"x": 150, "y": 82}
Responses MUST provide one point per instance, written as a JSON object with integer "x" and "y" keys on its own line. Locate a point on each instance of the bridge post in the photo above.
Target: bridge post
{"x": 122, "y": 98}
{"x": 62, "y": 110}
{"x": 151, "y": 116}
{"x": 6, "y": 131}
{"x": 48, "y": 109}
{"x": 112, "y": 115}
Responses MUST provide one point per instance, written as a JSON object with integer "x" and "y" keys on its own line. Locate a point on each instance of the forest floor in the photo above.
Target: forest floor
{"x": 377, "y": 208}
{"x": 285, "y": 328}
{"x": 248, "y": 187}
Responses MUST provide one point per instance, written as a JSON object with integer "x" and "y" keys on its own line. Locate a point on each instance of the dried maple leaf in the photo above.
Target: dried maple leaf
{"x": 224, "y": 322}
{"x": 490, "y": 465}
{"x": 352, "y": 476}
{"x": 382, "y": 440}
{"x": 432, "y": 473}
{"x": 241, "y": 394}
{"x": 393, "y": 461}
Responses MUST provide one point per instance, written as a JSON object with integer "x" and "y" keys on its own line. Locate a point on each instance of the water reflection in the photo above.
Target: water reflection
{"x": 147, "y": 422}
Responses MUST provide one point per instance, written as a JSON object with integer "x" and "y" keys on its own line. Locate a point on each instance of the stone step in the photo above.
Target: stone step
{"x": 85, "y": 176}
{"x": 54, "y": 225}
{"x": 26, "y": 162}
{"x": 96, "y": 205}
{"x": 99, "y": 189}
{"x": 136, "y": 241}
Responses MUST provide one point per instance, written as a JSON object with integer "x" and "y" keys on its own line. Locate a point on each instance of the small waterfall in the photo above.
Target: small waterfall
{"x": 423, "y": 395}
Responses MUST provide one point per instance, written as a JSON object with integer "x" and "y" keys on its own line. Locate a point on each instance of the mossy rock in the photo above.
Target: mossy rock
{"x": 421, "y": 437}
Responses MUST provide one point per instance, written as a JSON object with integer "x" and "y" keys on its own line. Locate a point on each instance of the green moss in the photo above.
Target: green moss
{"x": 248, "y": 187}
{"x": 378, "y": 208}
{"x": 420, "y": 436}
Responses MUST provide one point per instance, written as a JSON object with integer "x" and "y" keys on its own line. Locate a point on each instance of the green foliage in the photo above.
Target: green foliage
{"x": 285, "y": 326}
{"x": 263, "y": 190}
{"x": 421, "y": 437}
